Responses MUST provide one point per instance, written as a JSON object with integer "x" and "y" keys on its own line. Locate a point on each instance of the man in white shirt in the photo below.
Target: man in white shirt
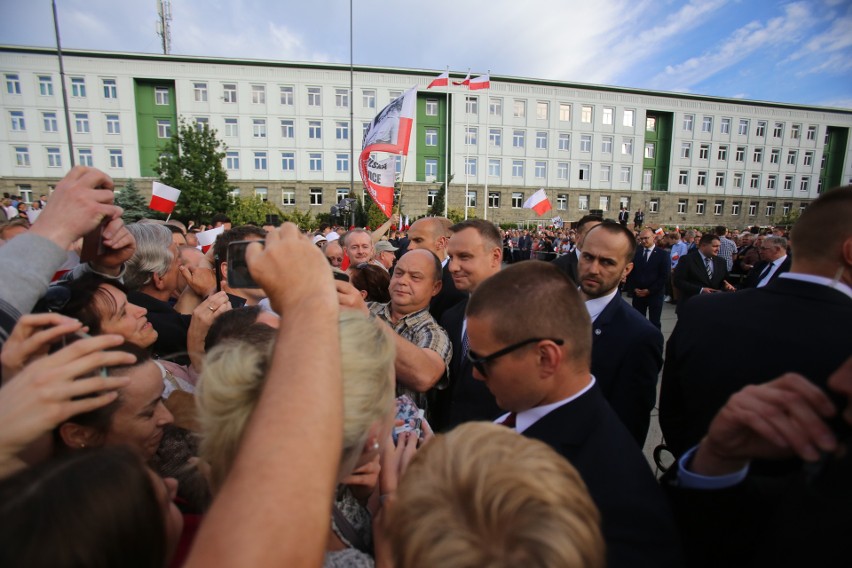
{"x": 775, "y": 261}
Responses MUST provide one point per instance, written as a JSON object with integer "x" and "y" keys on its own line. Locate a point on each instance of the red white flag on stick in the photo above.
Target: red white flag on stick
{"x": 206, "y": 239}
{"x": 481, "y": 82}
{"x": 389, "y": 132}
{"x": 441, "y": 80}
{"x": 659, "y": 231}
{"x": 163, "y": 198}
{"x": 465, "y": 81}
{"x": 538, "y": 202}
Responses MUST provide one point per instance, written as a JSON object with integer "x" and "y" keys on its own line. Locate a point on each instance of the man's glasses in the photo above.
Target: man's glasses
{"x": 479, "y": 362}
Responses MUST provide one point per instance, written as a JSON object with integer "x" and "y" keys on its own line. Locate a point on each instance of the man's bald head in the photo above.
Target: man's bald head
{"x": 430, "y": 233}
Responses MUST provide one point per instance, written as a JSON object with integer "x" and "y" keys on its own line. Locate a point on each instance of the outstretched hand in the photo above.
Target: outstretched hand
{"x": 31, "y": 338}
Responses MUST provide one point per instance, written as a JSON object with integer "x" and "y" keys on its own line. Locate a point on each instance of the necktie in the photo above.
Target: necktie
{"x": 647, "y": 254}
{"x": 765, "y": 272}
{"x": 509, "y": 421}
{"x": 709, "y": 264}
{"x": 465, "y": 345}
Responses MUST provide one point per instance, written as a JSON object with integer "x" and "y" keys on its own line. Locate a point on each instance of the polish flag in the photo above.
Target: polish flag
{"x": 481, "y": 82}
{"x": 538, "y": 202}
{"x": 660, "y": 231}
{"x": 206, "y": 239}
{"x": 441, "y": 80}
{"x": 466, "y": 81}
{"x": 163, "y": 198}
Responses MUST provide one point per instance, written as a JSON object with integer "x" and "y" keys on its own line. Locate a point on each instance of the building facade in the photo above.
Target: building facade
{"x": 682, "y": 159}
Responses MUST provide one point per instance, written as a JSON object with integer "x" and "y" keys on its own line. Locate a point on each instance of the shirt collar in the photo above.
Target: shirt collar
{"x": 527, "y": 418}
{"x": 821, "y": 280}
{"x": 597, "y": 305}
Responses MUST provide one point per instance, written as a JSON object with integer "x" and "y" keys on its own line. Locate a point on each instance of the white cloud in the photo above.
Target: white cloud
{"x": 829, "y": 50}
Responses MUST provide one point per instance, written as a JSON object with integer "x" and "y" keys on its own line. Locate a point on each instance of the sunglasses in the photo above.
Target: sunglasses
{"x": 479, "y": 362}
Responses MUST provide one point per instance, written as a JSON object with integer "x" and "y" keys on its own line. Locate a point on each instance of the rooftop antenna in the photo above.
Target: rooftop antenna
{"x": 164, "y": 29}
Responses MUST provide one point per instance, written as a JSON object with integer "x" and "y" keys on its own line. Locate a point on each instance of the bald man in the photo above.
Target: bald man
{"x": 433, "y": 234}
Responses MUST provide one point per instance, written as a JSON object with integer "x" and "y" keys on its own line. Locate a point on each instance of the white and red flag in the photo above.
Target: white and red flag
{"x": 538, "y": 202}
{"x": 441, "y": 80}
{"x": 660, "y": 231}
{"x": 207, "y": 238}
{"x": 389, "y": 132}
{"x": 163, "y": 198}
{"x": 481, "y": 82}
{"x": 465, "y": 81}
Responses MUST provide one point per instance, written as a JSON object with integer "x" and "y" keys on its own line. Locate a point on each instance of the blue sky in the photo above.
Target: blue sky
{"x": 791, "y": 52}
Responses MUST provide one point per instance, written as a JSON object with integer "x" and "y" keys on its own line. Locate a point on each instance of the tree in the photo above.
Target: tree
{"x": 192, "y": 162}
{"x": 134, "y": 205}
{"x": 437, "y": 208}
{"x": 252, "y": 210}
{"x": 305, "y": 220}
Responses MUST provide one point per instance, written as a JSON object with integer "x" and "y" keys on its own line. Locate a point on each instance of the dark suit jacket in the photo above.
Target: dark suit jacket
{"x": 752, "y": 279}
{"x": 788, "y": 325}
{"x": 466, "y": 399}
{"x": 171, "y": 327}
{"x": 690, "y": 276}
{"x": 627, "y": 356}
{"x": 636, "y": 521}
{"x": 567, "y": 263}
{"x": 651, "y": 275}
{"x": 448, "y": 297}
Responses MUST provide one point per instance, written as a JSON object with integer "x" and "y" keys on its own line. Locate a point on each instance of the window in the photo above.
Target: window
{"x": 628, "y": 117}
{"x": 785, "y": 209}
{"x": 738, "y": 180}
{"x": 288, "y": 128}
{"x": 725, "y": 126}
{"x": 258, "y": 127}
{"x": 606, "y": 115}
{"x": 650, "y": 151}
{"x": 651, "y": 123}
{"x": 495, "y": 137}
{"x": 625, "y": 174}
{"x": 802, "y": 207}
{"x": 286, "y": 94}
{"x": 258, "y": 94}
{"x": 164, "y": 128}
{"x": 583, "y": 202}
{"x": 316, "y": 196}
{"x": 758, "y": 155}
{"x": 775, "y": 156}
{"x": 78, "y": 87}
{"x": 113, "y": 126}
{"x": 540, "y": 170}
{"x": 804, "y": 183}
{"x": 707, "y": 124}
{"x": 13, "y": 84}
{"x": 199, "y": 92}
{"x": 22, "y": 156}
{"x": 342, "y": 162}
{"x": 45, "y": 85}
{"x": 761, "y": 130}
{"x": 494, "y": 166}
{"x": 704, "y": 152}
{"x": 517, "y": 199}
{"x": 718, "y": 206}
{"x": 603, "y": 203}
{"x": 685, "y": 149}
{"x": 682, "y": 204}
{"x": 541, "y": 140}
{"x": 518, "y": 138}
{"x": 606, "y": 173}
{"x": 564, "y": 112}
{"x": 654, "y": 206}
{"x": 18, "y": 123}
{"x": 116, "y": 159}
{"x": 627, "y": 146}
{"x": 586, "y": 114}
{"x": 81, "y": 122}
{"x": 562, "y": 170}
{"x": 809, "y": 159}
{"x": 110, "y": 88}
{"x": 368, "y": 98}
{"x": 542, "y": 110}
{"x": 493, "y": 200}
{"x": 261, "y": 192}
{"x": 84, "y": 156}
{"x": 161, "y": 96}
{"x": 341, "y": 98}
{"x": 791, "y": 157}
{"x": 471, "y": 135}
{"x": 770, "y": 209}
{"x": 699, "y": 206}
{"x": 431, "y": 196}
{"x": 740, "y": 155}
{"x": 394, "y": 94}
{"x": 723, "y": 154}
{"x": 431, "y": 168}
{"x": 470, "y": 166}
{"x": 795, "y": 131}
{"x": 564, "y": 142}
{"x": 341, "y": 130}
{"x": 517, "y": 168}
{"x": 606, "y": 144}
{"x": 812, "y": 130}
{"x": 742, "y": 129}
{"x": 315, "y": 129}
{"x": 232, "y": 160}
{"x": 431, "y": 107}
{"x": 683, "y": 177}
{"x": 315, "y": 162}
{"x": 519, "y": 109}
{"x": 755, "y": 181}
{"x": 314, "y": 96}
{"x": 562, "y": 202}
{"x": 688, "y": 119}
{"x": 702, "y": 178}
{"x": 471, "y": 198}
{"x": 720, "y": 179}
{"x": 752, "y": 208}
{"x": 229, "y": 92}
{"x": 735, "y": 207}
{"x": 495, "y": 106}
{"x": 788, "y": 183}
{"x": 771, "y": 181}
{"x": 260, "y": 162}
{"x": 778, "y": 131}
{"x": 471, "y": 105}
{"x": 586, "y": 143}
{"x": 288, "y": 161}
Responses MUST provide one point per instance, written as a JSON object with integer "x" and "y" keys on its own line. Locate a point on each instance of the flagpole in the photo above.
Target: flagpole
{"x": 447, "y": 147}
{"x": 401, "y": 182}
{"x": 487, "y": 113}
{"x": 466, "y": 126}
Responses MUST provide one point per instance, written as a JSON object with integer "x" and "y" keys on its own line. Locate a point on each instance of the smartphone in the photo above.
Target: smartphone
{"x": 93, "y": 243}
{"x": 408, "y": 418}
{"x": 238, "y": 272}
{"x": 340, "y": 275}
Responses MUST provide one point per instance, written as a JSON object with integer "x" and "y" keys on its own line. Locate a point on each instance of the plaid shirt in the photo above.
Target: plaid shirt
{"x": 421, "y": 329}
{"x": 727, "y": 250}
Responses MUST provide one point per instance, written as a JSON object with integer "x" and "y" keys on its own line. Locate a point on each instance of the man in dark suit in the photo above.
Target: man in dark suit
{"x": 701, "y": 273}
{"x": 647, "y": 280}
{"x": 567, "y": 263}
{"x": 774, "y": 262}
{"x": 627, "y": 351}
{"x": 798, "y": 323}
{"x": 525, "y": 245}
{"x": 433, "y": 234}
{"x": 533, "y": 354}
{"x": 623, "y": 216}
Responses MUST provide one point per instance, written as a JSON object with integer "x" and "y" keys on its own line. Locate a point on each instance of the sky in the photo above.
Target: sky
{"x": 796, "y": 52}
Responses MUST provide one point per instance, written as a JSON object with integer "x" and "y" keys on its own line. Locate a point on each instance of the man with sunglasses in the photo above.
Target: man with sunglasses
{"x": 538, "y": 369}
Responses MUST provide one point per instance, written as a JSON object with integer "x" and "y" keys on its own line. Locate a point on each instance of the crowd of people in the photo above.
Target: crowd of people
{"x": 450, "y": 395}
